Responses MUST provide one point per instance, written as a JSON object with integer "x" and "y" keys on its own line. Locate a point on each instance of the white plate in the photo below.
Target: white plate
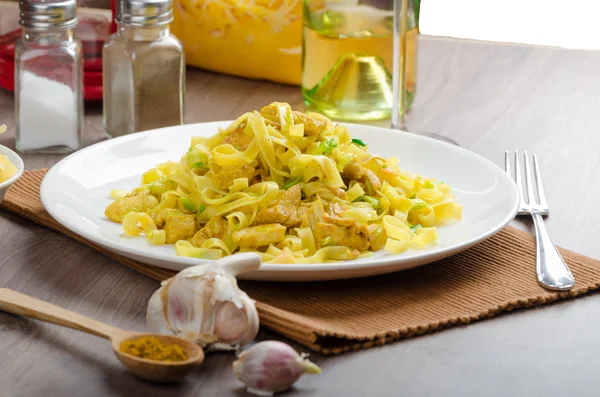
{"x": 75, "y": 192}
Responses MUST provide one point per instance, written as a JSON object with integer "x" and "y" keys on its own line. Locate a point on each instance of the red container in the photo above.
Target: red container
{"x": 93, "y": 29}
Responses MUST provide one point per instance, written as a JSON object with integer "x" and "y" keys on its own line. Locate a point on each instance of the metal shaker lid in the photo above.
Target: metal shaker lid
{"x": 144, "y": 12}
{"x": 43, "y": 15}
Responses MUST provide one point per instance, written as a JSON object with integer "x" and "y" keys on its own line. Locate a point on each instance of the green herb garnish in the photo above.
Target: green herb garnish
{"x": 368, "y": 186}
{"x": 374, "y": 201}
{"x": 291, "y": 182}
{"x": 200, "y": 164}
{"x": 415, "y": 227}
{"x": 420, "y": 204}
{"x": 196, "y": 159}
{"x": 201, "y": 209}
{"x": 327, "y": 145}
{"x": 358, "y": 142}
{"x": 188, "y": 205}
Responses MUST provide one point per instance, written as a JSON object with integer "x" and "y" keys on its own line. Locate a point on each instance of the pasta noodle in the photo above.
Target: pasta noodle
{"x": 293, "y": 187}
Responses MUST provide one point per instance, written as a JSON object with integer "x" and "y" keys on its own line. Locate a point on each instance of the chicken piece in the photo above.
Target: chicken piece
{"x": 303, "y": 215}
{"x": 258, "y": 236}
{"x": 338, "y": 192}
{"x": 238, "y": 139}
{"x": 343, "y": 222}
{"x": 312, "y": 125}
{"x": 377, "y": 237}
{"x": 215, "y": 228}
{"x": 355, "y": 236}
{"x": 180, "y": 227}
{"x": 225, "y": 177}
{"x": 302, "y": 211}
{"x": 356, "y": 172}
{"x": 284, "y": 211}
{"x": 270, "y": 112}
{"x": 256, "y": 179}
{"x": 335, "y": 210}
{"x": 138, "y": 202}
{"x": 373, "y": 180}
{"x": 353, "y": 171}
{"x": 161, "y": 217}
{"x": 315, "y": 214}
{"x": 332, "y": 230}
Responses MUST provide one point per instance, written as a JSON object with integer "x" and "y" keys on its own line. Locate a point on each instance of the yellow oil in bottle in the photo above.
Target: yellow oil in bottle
{"x": 348, "y": 59}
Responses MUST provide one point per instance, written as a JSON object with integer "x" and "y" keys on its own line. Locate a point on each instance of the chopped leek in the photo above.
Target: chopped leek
{"x": 291, "y": 182}
{"x": 358, "y": 142}
{"x": 327, "y": 145}
{"x": 187, "y": 204}
{"x": 417, "y": 204}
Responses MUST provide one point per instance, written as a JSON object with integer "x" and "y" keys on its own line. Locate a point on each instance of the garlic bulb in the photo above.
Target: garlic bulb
{"x": 271, "y": 366}
{"x": 204, "y": 304}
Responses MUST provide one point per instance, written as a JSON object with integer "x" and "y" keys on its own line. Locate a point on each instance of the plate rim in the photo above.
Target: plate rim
{"x": 386, "y": 261}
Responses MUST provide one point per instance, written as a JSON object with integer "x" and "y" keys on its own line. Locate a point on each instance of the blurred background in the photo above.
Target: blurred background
{"x": 236, "y": 36}
{"x": 569, "y": 24}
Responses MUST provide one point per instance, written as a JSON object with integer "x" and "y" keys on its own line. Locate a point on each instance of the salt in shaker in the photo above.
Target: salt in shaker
{"x": 144, "y": 70}
{"x": 48, "y": 79}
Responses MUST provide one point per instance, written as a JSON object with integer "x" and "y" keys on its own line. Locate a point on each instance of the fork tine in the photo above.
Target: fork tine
{"x": 507, "y": 164}
{"x": 538, "y": 180}
{"x": 529, "y": 180}
{"x": 518, "y": 179}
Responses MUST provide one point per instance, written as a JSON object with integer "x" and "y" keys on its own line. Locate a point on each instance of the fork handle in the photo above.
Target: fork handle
{"x": 552, "y": 271}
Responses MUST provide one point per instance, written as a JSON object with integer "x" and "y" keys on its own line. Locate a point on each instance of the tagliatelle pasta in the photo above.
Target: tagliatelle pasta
{"x": 294, "y": 187}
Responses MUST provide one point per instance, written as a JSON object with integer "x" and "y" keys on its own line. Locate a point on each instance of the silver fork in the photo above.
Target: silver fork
{"x": 552, "y": 271}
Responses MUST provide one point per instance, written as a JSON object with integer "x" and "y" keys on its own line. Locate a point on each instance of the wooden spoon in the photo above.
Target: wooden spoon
{"x": 157, "y": 371}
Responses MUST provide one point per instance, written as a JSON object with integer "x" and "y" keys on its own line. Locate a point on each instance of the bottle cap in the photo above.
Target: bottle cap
{"x": 144, "y": 12}
{"x": 37, "y": 15}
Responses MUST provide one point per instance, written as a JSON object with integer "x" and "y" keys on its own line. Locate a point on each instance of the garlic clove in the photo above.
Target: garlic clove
{"x": 230, "y": 323}
{"x": 271, "y": 366}
{"x": 253, "y": 323}
{"x": 204, "y": 304}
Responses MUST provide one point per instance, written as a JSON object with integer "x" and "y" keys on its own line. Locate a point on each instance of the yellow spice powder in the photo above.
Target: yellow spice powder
{"x": 152, "y": 348}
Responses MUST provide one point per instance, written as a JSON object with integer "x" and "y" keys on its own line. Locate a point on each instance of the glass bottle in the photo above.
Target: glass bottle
{"x": 144, "y": 70}
{"x": 48, "y": 79}
{"x": 347, "y": 58}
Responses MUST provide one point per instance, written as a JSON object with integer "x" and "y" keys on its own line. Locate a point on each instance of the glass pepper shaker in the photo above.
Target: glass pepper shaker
{"x": 144, "y": 70}
{"x": 48, "y": 79}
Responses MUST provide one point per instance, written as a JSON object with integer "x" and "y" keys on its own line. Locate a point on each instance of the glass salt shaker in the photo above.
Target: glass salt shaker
{"x": 48, "y": 79}
{"x": 144, "y": 70}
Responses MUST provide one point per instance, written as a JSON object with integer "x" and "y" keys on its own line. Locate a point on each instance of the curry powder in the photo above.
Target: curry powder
{"x": 151, "y": 348}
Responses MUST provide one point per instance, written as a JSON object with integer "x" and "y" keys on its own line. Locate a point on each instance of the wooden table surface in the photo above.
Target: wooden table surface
{"x": 487, "y": 97}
